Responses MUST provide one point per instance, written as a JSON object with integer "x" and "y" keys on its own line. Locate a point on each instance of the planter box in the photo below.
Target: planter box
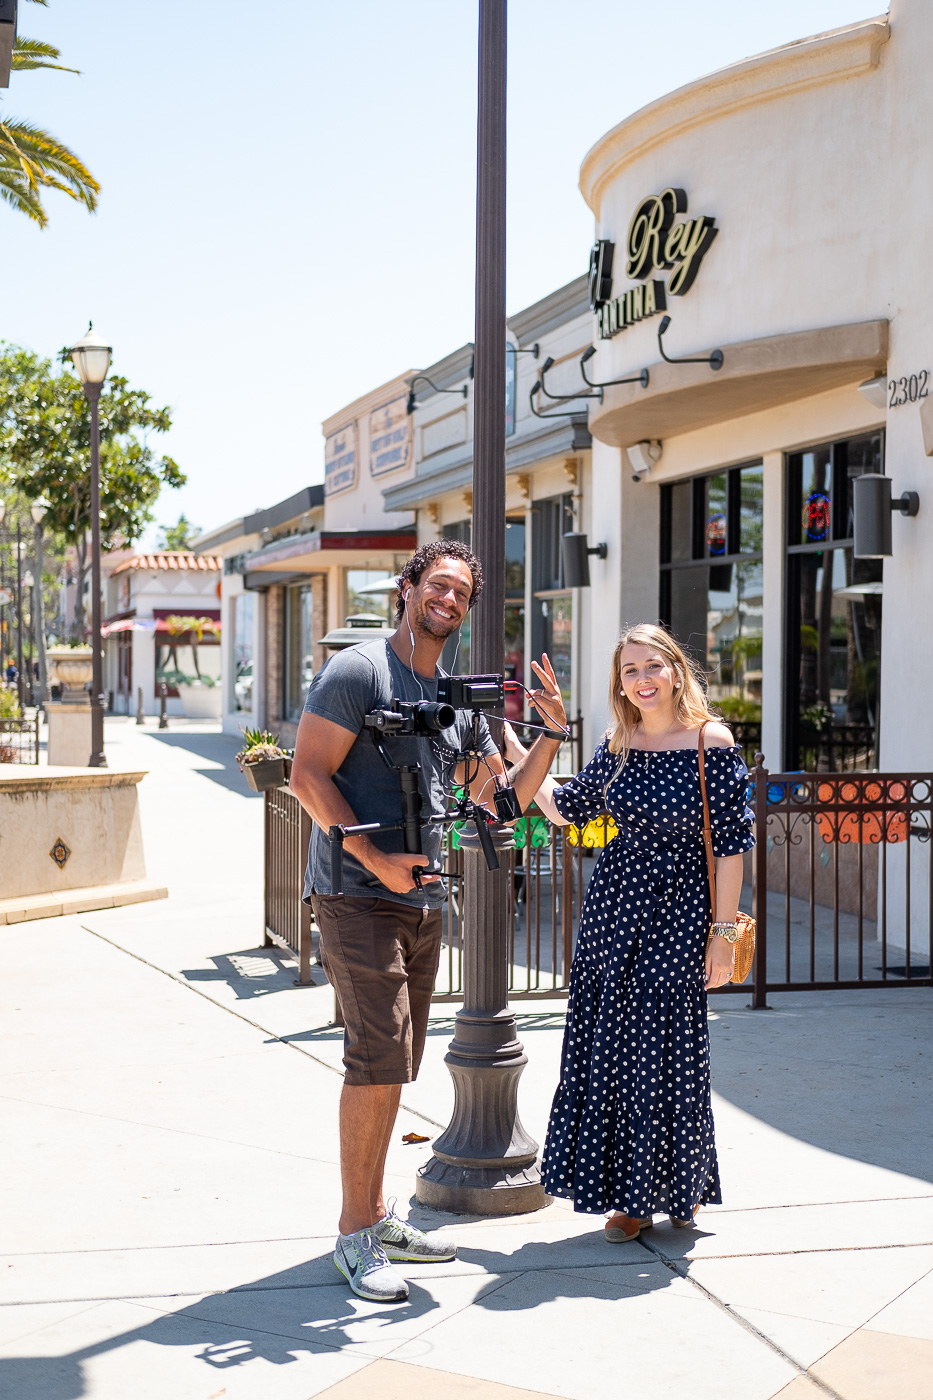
{"x": 201, "y": 701}
{"x": 268, "y": 773}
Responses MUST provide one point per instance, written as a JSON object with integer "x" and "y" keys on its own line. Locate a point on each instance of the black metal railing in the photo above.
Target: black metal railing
{"x": 570, "y": 754}
{"x": 287, "y": 917}
{"x": 837, "y": 748}
{"x": 840, "y": 881}
{"x": 747, "y": 734}
{"x": 19, "y": 740}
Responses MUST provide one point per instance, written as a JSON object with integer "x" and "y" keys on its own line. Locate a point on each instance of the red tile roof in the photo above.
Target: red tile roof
{"x": 172, "y": 559}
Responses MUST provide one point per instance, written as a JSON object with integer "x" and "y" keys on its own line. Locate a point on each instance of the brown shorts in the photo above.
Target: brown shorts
{"x": 381, "y": 958}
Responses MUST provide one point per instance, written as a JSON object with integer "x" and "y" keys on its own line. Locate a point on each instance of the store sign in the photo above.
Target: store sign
{"x": 663, "y": 256}
{"x": 341, "y": 465}
{"x": 390, "y": 437}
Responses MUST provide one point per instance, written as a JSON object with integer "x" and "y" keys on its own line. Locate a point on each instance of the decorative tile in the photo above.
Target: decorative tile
{"x": 60, "y": 853}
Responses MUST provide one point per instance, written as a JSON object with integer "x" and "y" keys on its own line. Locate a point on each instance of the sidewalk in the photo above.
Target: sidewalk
{"x": 171, "y": 1183}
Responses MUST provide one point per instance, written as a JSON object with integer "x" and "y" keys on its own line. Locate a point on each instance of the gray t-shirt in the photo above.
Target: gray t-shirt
{"x": 354, "y": 682}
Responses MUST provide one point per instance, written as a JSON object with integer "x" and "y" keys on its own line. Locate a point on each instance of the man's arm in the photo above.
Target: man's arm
{"x": 320, "y": 749}
{"x": 530, "y": 773}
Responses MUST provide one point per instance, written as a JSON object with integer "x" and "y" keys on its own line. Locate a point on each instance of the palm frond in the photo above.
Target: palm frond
{"x": 35, "y": 53}
{"x": 44, "y": 161}
{"x": 20, "y": 194}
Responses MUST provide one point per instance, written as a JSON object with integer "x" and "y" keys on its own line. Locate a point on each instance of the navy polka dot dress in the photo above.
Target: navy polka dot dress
{"x": 631, "y": 1126}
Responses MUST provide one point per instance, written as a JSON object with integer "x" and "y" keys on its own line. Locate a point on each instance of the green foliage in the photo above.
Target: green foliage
{"x": 259, "y": 744}
{"x": 32, "y": 160}
{"x": 737, "y": 708}
{"x": 45, "y": 444}
{"x": 9, "y": 704}
{"x": 178, "y": 536}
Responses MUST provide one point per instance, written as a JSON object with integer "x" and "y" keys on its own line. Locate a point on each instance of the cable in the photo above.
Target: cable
{"x": 545, "y": 729}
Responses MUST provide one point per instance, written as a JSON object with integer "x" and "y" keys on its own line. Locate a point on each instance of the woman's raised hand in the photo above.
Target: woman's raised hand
{"x": 548, "y": 700}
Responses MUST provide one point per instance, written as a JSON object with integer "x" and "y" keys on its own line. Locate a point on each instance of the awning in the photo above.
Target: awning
{"x": 318, "y": 549}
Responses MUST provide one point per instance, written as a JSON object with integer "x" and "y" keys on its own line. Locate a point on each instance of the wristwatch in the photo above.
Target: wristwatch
{"x": 729, "y": 932}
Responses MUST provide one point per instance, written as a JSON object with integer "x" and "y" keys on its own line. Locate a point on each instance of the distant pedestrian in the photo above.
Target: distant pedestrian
{"x": 380, "y": 939}
{"x": 11, "y": 673}
{"x": 631, "y": 1127}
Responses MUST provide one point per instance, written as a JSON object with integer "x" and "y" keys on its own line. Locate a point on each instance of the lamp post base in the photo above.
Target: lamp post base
{"x": 484, "y": 1162}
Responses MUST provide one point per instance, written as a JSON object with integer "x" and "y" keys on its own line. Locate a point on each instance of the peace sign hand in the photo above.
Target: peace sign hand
{"x": 548, "y": 700}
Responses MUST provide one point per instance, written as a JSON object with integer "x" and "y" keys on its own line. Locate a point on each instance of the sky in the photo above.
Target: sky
{"x": 287, "y": 210}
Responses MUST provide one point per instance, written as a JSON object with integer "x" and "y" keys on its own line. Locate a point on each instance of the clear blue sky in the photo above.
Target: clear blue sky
{"x": 286, "y": 217}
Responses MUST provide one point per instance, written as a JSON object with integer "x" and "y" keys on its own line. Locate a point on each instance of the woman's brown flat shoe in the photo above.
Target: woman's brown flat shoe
{"x": 620, "y": 1228}
{"x": 685, "y": 1224}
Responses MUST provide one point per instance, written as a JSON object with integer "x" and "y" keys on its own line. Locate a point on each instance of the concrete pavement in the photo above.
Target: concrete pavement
{"x": 171, "y": 1184}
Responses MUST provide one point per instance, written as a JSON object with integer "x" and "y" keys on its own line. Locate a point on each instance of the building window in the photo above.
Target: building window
{"x": 242, "y": 631}
{"x": 298, "y": 668}
{"x": 711, "y": 589}
{"x": 552, "y": 611}
{"x": 833, "y": 616}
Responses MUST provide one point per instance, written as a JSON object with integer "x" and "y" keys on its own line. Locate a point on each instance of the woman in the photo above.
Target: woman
{"x": 631, "y": 1128}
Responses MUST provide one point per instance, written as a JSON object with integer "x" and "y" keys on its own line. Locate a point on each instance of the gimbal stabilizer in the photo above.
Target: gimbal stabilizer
{"x": 424, "y": 719}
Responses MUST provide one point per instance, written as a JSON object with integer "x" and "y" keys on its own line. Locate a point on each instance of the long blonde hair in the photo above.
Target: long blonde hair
{"x": 691, "y": 702}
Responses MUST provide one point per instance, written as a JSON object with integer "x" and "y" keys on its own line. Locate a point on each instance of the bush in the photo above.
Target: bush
{"x": 9, "y": 704}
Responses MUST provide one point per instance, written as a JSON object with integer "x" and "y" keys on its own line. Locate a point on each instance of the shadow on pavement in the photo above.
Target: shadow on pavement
{"x": 217, "y": 748}
{"x": 298, "y": 1310}
{"x": 253, "y": 972}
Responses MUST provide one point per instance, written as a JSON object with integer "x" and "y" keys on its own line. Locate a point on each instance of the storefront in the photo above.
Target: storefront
{"x": 760, "y": 280}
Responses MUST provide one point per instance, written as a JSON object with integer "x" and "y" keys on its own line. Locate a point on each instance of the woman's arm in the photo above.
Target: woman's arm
{"x": 515, "y": 753}
{"x": 720, "y": 956}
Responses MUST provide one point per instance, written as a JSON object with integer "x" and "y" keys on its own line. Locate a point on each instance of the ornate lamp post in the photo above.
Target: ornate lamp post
{"x": 485, "y": 1162}
{"x": 19, "y": 617}
{"x": 29, "y": 585}
{"x": 2, "y": 604}
{"x": 38, "y": 511}
{"x": 91, "y": 358}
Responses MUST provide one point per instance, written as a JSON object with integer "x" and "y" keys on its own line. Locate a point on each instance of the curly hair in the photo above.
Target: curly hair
{"x": 426, "y": 555}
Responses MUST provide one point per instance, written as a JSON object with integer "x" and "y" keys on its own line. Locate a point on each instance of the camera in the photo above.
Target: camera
{"x": 420, "y": 717}
{"x": 472, "y": 692}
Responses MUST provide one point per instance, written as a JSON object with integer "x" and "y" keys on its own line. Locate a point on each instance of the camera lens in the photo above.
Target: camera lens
{"x": 436, "y": 716}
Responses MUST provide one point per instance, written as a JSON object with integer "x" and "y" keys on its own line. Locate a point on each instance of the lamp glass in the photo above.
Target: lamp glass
{"x": 28, "y": 580}
{"x": 2, "y": 511}
{"x": 38, "y": 510}
{"x": 91, "y": 357}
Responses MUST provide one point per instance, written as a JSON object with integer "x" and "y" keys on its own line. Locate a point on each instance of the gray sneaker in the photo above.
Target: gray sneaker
{"x": 365, "y": 1266}
{"x": 404, "y": 1243}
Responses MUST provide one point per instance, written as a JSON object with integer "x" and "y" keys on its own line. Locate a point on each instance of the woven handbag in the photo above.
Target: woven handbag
{"x": 745, "y": 943}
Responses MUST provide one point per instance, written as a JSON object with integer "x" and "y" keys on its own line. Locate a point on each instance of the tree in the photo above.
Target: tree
{"x": 32, "y": 160}
{"x": 178, "y": 536}
{"x": 45, "y": 444}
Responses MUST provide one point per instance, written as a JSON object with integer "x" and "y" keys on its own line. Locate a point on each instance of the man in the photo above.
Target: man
{"x": 380, "y": 941}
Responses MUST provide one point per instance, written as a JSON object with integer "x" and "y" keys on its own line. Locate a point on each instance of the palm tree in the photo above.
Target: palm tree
{"x": 31, "y": 159}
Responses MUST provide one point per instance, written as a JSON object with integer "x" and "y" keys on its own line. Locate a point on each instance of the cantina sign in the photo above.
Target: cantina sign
{"x": 663, "y": 253}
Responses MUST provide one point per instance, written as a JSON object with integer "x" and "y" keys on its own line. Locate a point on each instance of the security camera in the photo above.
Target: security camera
{"x": 642, "y": 456}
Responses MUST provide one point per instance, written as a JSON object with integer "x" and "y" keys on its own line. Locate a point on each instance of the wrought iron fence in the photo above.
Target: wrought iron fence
{"x": 747, "y": 734}
{"x": 19, "y": 740}
{"x": 287, "y": 918}
{"x": 570, "y": 754}
{"x": 840, "y": 881}
{"x": 837, "y": 748}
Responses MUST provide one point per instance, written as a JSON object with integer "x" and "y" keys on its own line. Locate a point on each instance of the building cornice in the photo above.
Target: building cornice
{"x": 554, "y": 310}
{"x": 555, "y": 440}
{"x": 359, "y": 408}
{"x": 840, "y": 53}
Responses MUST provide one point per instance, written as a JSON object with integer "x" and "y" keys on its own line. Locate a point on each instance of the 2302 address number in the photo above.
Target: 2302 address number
{"x": 908, "y": 389}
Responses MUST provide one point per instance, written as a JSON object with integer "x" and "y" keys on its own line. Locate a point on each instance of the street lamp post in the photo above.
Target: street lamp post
{"x": 38, "y": 511}
{"x": 484, "y": 1161}
{"x": 3, "y": 631}
{"x": 91, "y": 358}
{"x": 19, "y": 616}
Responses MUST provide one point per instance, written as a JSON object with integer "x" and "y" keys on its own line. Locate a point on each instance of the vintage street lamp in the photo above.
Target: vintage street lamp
{"x": 485, "y": 1162}
{"x": 38, "y": 510}
{"x": 19, "y": 616}
{"x": 2, "y": 604}
{"x": 91, "y": 359}
{"x": 29, "y": 586}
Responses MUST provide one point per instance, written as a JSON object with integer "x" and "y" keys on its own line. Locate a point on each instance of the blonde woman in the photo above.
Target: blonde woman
{"x": 631, "y": 1127}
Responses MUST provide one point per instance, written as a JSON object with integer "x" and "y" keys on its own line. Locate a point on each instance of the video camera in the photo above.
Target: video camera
{"x": 425, "y": 719}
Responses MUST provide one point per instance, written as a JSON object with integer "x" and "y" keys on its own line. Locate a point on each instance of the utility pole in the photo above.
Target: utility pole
{"x": 485, "y": 1162}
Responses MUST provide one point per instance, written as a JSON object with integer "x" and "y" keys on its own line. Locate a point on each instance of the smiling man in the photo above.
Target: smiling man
{"x": 380, "y": 939}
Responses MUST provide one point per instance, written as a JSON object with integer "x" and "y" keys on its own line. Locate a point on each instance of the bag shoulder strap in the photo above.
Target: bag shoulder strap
{"x": 707, "y": 832}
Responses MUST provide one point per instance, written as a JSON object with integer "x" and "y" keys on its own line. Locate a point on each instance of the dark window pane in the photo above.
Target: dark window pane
{"x": 515, "y": 557}
{"x": 681, "y": 546}
{"x": 751, "y": 498}
{"x": 858, "y": 455}
{"x": 717, "y": 505}
{"x": 552, "y": 519}
{"x": 514, "y": 658}
{"x": 816, "y": 505}
{"x": 689, "y": 606}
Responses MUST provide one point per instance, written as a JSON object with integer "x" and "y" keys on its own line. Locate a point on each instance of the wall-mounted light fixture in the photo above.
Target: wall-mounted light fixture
{"x": 563, "y": 398}
{"x": 557, "y": 413}
{"x": 714, "y": 360}
{"x": 410, "y": 407}
{"x": 588, "y": 354}
{"x": 642, "y": 456}
{"x": 875, "y": 390}
{"x": 575, "y": 553}
{"x": 873, "y": 508}
{"x": 533, "y": 350}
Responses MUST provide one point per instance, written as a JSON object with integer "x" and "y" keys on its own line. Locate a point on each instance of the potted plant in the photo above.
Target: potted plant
{"x": 71, "y": 665}
{"x": 200, "y": 694}
{"x": 262, "y": 760}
